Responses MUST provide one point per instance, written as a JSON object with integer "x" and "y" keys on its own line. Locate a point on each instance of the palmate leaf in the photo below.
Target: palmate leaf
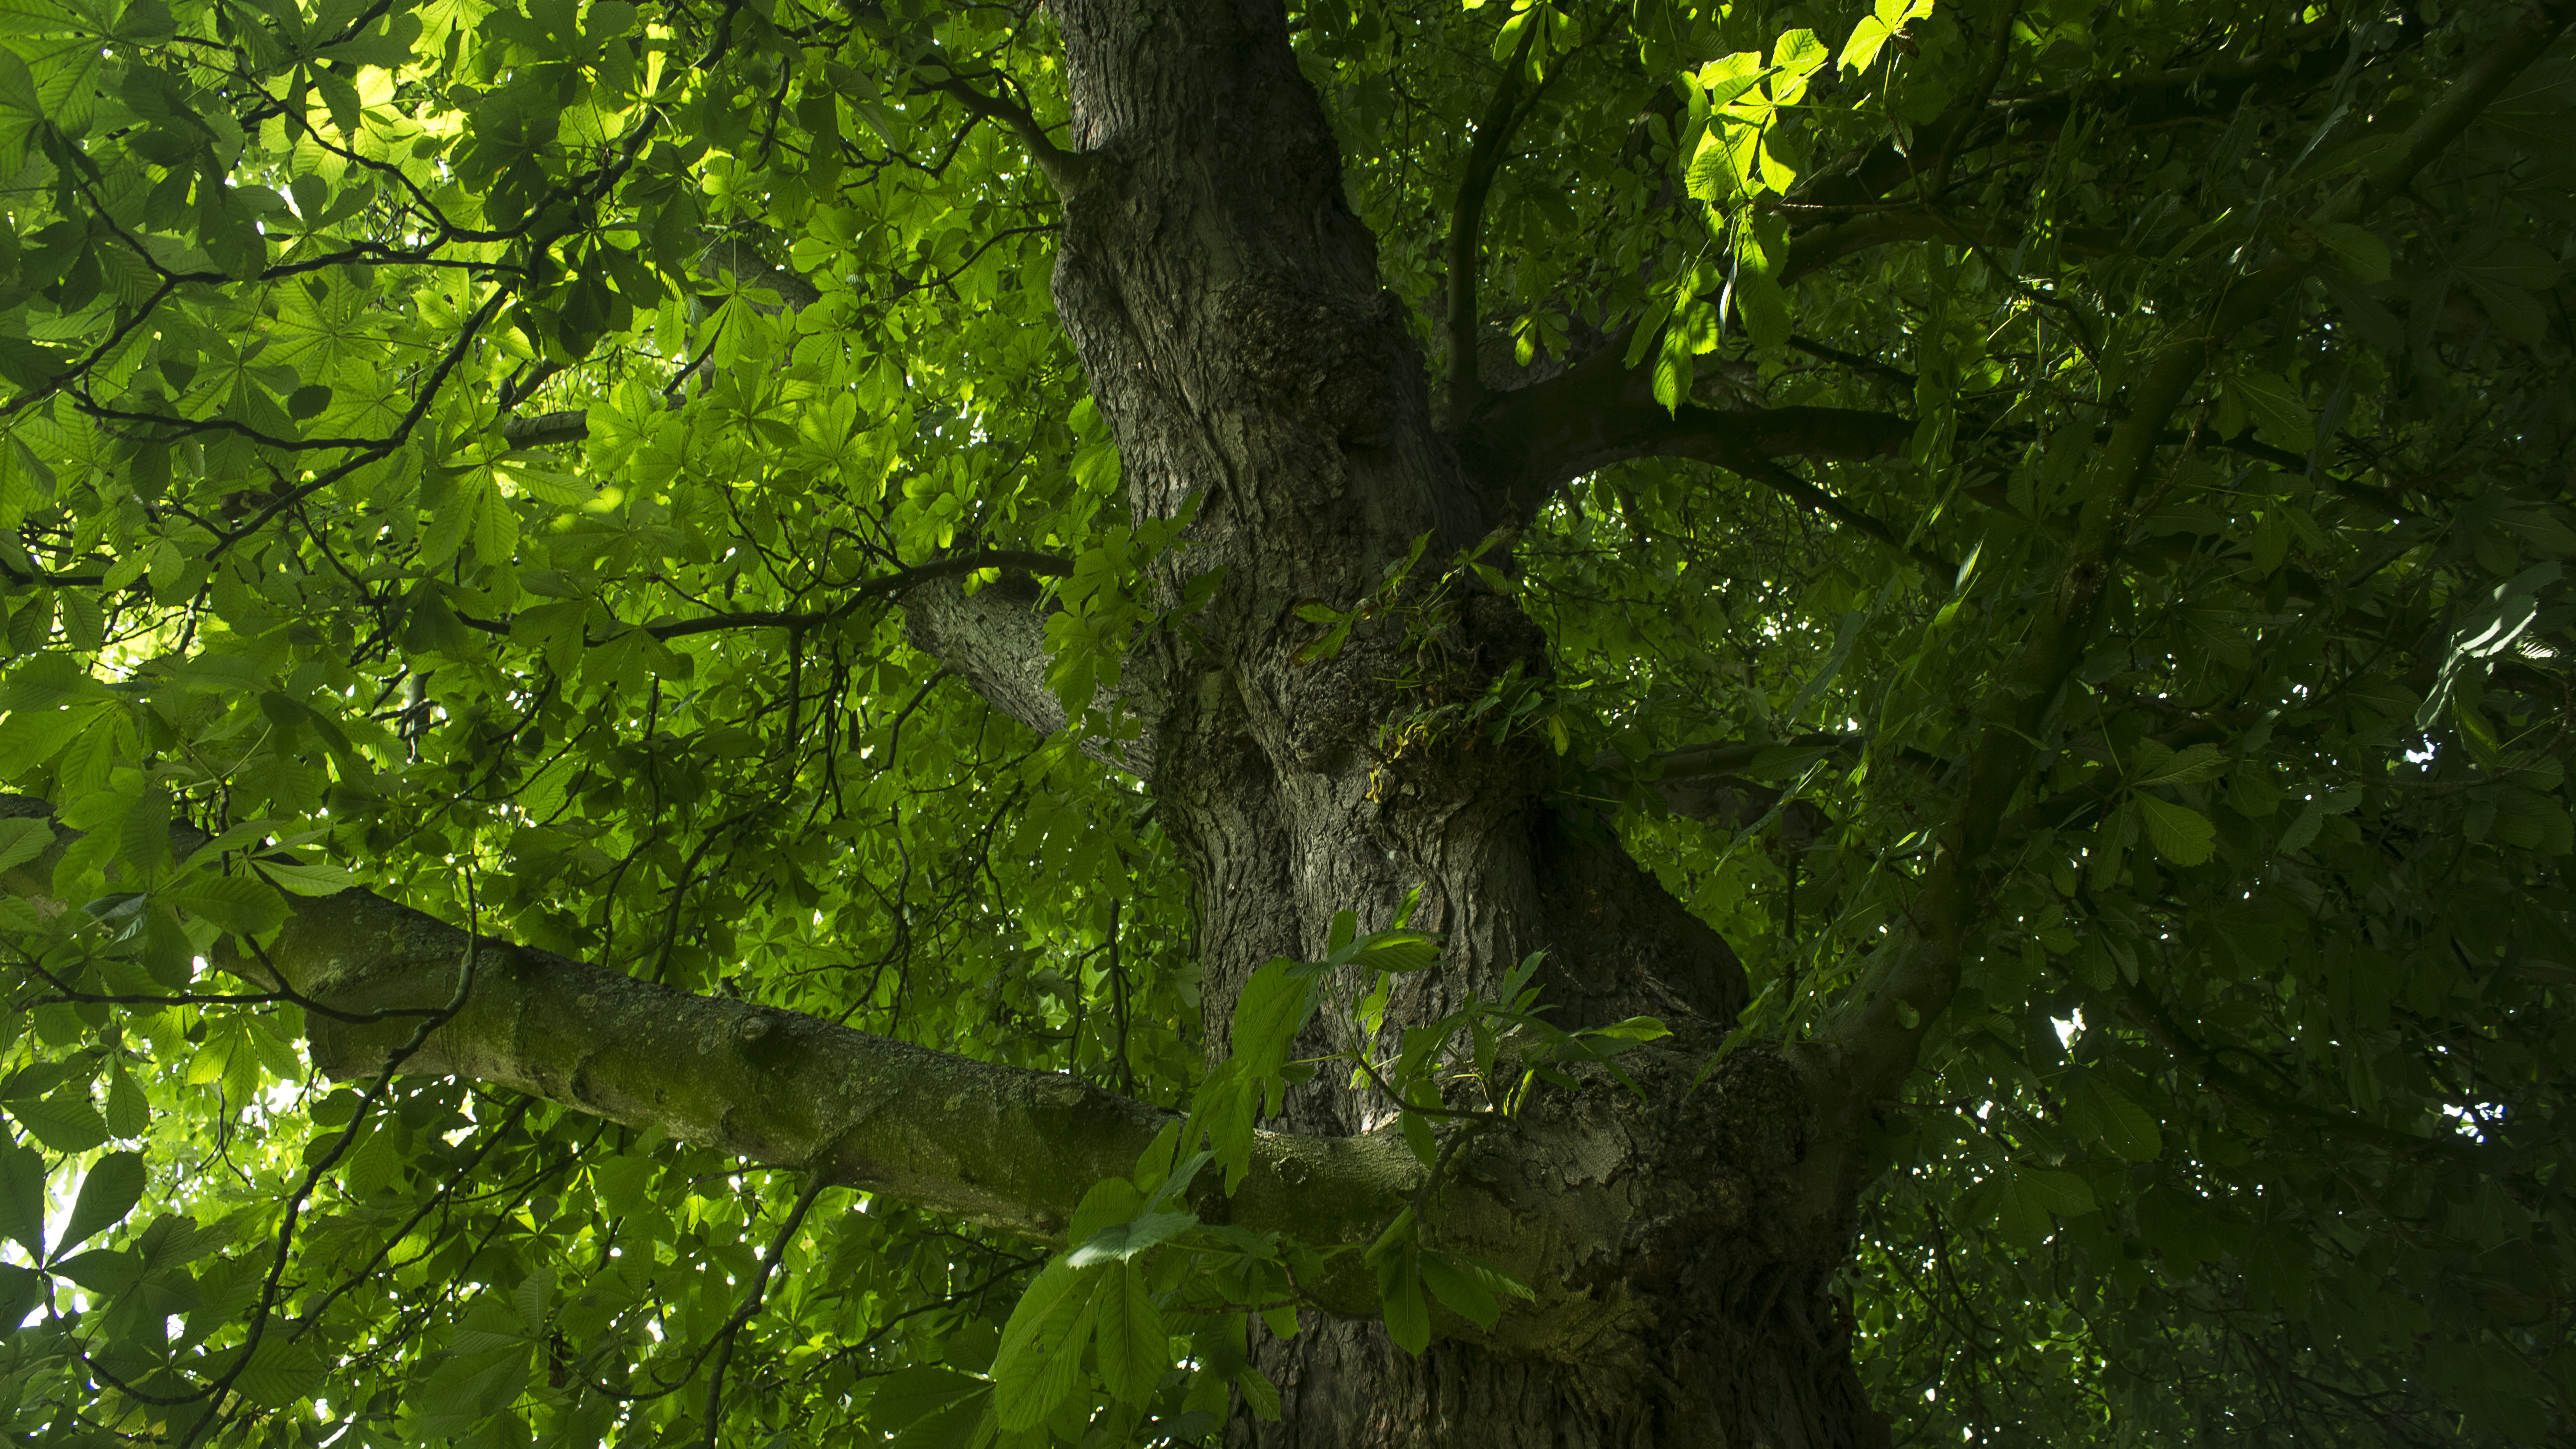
{"x": 109, "y": 1191}
{"x": 22, "y": 1198}
{"x": 2179, "y": 833}
{"x": 1121, "y": 1241}
{"x": 2102, "y": 1114}
{"x": 64, "y": 1120}
{"x": 2024, "y": 1203}
{"x": 805, "y": 814}
{"x": 1041, "y": 1353}
{"x": 1133, "y": 1347}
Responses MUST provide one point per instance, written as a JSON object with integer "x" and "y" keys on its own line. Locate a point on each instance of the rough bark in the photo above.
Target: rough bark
{"x": 1225, "y": 304}
{"x": 996, "y": 639}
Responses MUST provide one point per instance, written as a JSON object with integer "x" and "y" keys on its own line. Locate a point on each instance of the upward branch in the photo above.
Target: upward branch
{"x": 1466, "y": 219}
{"x": 1865, "y": 1049}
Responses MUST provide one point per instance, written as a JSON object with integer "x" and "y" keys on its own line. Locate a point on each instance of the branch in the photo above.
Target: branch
{"x": 2159, "y": 1023}
{"x": 1466, "y": 216}
{"x": 2213, "y": 90}
{"x": 404, "y": 993}
{"x": 1046, "y": 565}
{"x": 1760, "y": 469}
{"x": 1009, "y": 1148}
{"x": 996, "y": 640}
{"x": 1528, "y": 443}
{"x": 1864, "y": 1050}
{"x": 545, "y": 429}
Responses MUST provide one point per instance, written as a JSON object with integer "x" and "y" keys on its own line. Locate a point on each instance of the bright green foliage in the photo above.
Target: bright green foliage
{"x": 2246, "y": 1123}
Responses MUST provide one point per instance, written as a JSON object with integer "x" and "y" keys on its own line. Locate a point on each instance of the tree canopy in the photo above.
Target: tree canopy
{"x": 2043, "y": 524}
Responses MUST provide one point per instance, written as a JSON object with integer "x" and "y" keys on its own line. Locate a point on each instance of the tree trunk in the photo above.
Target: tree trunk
{"x": 1225, "y": 303}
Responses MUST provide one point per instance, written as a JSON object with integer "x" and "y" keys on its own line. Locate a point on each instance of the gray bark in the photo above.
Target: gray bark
{"x": 996, "y": 639}
{"x": 1225, "y": 305}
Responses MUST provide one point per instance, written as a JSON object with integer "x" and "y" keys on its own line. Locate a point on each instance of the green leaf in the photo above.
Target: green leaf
{"x": 306, "y": 878}
{"x": 101, "y": 1270}
{"x": 1636, "y": 1029}
{"x": 2156, "y": 765}
{"x": 22, "y": 1198}
{"x": 2356, "y": 249}
{"x": 2103, "y": 1115}
{"x": 909, "y": 1395}
{"x": 1121, "y": 1241}
{"x": 1795, "y": 56}
{"x": 1042, "y": 1345}
{"x": 1461, "y": 1290}
{"x": 109, "y": 1191}
{"x": 2180, "y": 834}
{"x": 2277, "y": 409}
{"x": 128, "y": 1113}
{"x": 143, "y": 835}
{"x": 22, "y": 840}
{"x": 1674, "y": 371}
{"x": 1112, "y": 1200}
{"x": 283, "y": 1374}
{"x": 2024, "y": 1202}
{"x": 1134, "y": 1349}
{"x": 2312, "y": 817}
{"x": 1259, "y": 1394}
{"x": 233, "y": 902}
{"x": 1399, "y": 1284}
{"x": 496, "y": 525}
{"x": 1398, "y": 951}
{"x": 451, "y": 519}
{"x": 65, "y": 1120}
{"x": 21, "y": 1289}
{"x": 1127, "y": 1239}
{"x": 21, "y": 108}
{"x": 1275, "y": 1005}
{"x": 1224, "y": 1107}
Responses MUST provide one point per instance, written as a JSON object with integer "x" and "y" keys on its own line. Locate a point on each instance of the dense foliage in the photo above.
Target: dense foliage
{"x": 479, "y": 452}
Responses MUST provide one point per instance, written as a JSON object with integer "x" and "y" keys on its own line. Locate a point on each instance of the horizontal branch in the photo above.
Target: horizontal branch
{"x": 2158, "y": 1023}
{"x": 1771, "y": 475}
{"x": 546, "y": 429}
{"x": 386, "y": 986}
{"x": 885, "y": 586}
{"x": 1528, "y": 443}
{"x": 1009, "y": 1148}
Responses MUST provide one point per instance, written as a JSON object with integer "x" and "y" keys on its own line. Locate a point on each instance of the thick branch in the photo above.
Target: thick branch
{"x": 1527, "y": 444}
{"x": 1006, "y": 1147}
{"x": 996, "y": 639}
{"x": 1002, "y": 1146}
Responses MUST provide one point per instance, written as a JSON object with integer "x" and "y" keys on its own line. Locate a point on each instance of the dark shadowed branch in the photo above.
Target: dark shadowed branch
{"x": 1466, "y": 219}
{"x": 1530, "y": 442}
